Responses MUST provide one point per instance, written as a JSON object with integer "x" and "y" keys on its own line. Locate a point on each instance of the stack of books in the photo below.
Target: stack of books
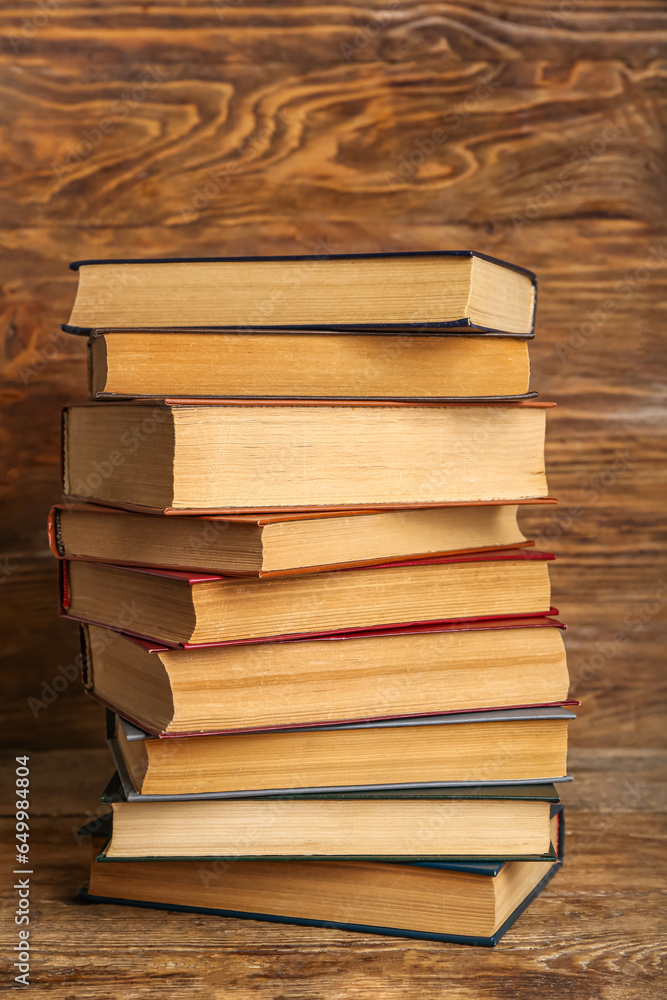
{"x": 335, "y": 691}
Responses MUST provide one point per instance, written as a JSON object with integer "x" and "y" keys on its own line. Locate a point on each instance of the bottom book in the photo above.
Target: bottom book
{"x": 471, "y": 903}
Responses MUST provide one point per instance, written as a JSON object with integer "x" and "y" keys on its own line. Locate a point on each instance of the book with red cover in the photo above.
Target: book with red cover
{"x": 326, "y": 716}
{"x": 300, "y": 599}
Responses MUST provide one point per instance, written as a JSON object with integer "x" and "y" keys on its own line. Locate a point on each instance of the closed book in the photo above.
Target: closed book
{"x": 275, "y": 544}
{"x": 508, "y": 746}
{"x": 472, "y": 903}
{"x": 445, "y": 824}
{"x": 277, "y": 365}
{"x": 346, "y": 677}
{"x": 187, "y": 609}
{"x": 435, "y": 290}
{"x": 236, "y": 456}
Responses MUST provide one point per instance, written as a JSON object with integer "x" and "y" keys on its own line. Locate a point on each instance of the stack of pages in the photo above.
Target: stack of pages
{"x": 336, "y": 693}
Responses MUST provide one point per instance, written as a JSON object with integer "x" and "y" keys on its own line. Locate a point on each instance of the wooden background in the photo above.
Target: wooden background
{"x": 244, "y": 127}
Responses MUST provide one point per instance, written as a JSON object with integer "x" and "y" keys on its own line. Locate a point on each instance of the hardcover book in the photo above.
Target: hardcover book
{"x": 472, "y": 903}
{"x": 187, "y": 609}
{"x": 234, "y": 456}
{"x": 274, "y": 544}
{"x": 276, "y": 365}
{"x": 344, "y": 677}
{"x": 434, "y": 290}
{"x": 444, "y": 824}
{"x": 501, "y": 747}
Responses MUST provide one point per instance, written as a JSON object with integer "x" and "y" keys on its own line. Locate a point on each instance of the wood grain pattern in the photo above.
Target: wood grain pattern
{"x": 531, "y": 130}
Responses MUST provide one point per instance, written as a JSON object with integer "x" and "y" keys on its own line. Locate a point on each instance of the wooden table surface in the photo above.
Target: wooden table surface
{"x": 595, "y": 933}
{"x": 193, "y": 129}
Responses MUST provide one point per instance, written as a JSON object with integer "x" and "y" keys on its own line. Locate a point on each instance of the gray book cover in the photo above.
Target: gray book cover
{"x": 132, "y": 732}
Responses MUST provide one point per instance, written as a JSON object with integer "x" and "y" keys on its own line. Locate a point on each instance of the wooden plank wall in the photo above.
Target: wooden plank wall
{"x": 528, "y": 129}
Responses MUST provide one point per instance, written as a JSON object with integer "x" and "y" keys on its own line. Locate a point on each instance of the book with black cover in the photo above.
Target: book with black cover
{"x": 381, "y": 816}
{"x": 433, "y": 291}
{"x": 153, "y": 364}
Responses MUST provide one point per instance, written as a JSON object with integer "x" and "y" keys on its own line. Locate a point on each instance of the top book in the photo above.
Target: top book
{"x": 435, "y": 291}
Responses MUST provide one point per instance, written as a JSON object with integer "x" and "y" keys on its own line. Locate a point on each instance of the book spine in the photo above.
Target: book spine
{"x": 56, "y": 542}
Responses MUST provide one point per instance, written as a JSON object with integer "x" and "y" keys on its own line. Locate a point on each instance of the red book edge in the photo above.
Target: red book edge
{"x": 289, "y": 514}
{"x": 313, "y": 511}
{"x": 498, "y": 555}
{"x": 460, "y": 625}
{"x": 293, "y": 636}
{"x": 64, "y": 604}
{"x": 308, "y": 725}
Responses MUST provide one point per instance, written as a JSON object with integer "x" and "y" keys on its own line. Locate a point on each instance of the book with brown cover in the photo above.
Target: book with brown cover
{"x": 207, "y": 540}
{"x": 239, "y": 456}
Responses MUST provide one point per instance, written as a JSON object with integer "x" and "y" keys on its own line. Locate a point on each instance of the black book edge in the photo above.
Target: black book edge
{"x": 102, "y": 827}
{"x": 76, "y": 264}
{"x": 119, "y": 789}
{"x": 539, "y": 712}
{"x": 111, "y": 396}
{"x": 462, "y": 324}
{"x": 453, "y": 328}
{"x": 489, "y": 942}
{"x": 85, "y": 666}
{"x": 387, "y": 859}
